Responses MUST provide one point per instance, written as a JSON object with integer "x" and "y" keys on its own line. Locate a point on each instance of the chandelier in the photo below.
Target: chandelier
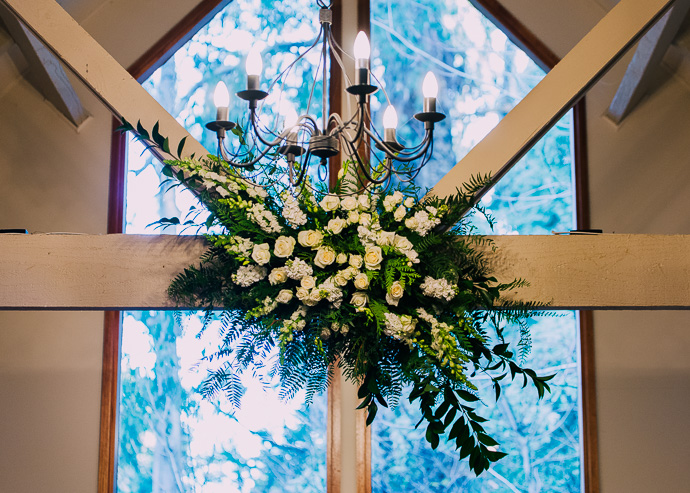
{"x": 307, "y": 141}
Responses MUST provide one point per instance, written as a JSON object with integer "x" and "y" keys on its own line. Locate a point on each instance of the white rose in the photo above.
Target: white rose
{"x": 302, "y": 294}
{"x": 308, "y": 282}
{"x": 365, "y": 219}
{"x": 363, "y": 201}
{"x": 284, "y": 246}
{"x": 385, "y": 238}
{"x": 397, "y": 196}
{"x": 399, "y": 213}
{"x": 388, "y": 203}
{"x": 314, "y": 298}
{"x": 350, "y": 272}
{"x": 310, "y": 238}
{"x": 348, "y": 203}
{"x": 373, "y": 258}
{"x": 344, "y": 329}
{"x": 336, "y": 225}
{"x": 341, "y": 258}
{"x": 412, "y": 223}
{"x": 330, "y": 203}
{"x": 261, "y": 254}
{"x": 325, "y": 256}
{"x": 409, "y": 202}
{"x": 284, "y": 296}
{"x": 359, "y": 300}
{"x": 340, "y": 279}
{"x": 402, "y": 243}
{"x": 361, "y": 281}
{"x": 356, "y": 261}
{"x": 353, "y": 217}
{"x": 277, "y": 276}
{"x": 395, "y": 292}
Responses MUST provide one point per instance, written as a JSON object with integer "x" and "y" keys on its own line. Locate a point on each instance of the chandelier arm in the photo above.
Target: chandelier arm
{"x": 302, "y": 171}
{"x": 253, "y": 120}
{"x": 339, "y": 60}
{"x": 360, "y": 166}
{"x": 226, "y": 157}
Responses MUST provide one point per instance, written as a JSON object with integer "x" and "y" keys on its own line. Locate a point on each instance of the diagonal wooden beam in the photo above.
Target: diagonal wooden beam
{"x": 84, "y": 272}
{"x": 45, "y": 71}
{"x": 89, "y": 61}
{"x": 562, "y": 87}
{"x": 645, "y": 62}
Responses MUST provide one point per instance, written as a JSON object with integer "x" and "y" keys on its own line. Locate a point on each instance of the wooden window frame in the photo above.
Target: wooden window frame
{"x": 159, "y": 54}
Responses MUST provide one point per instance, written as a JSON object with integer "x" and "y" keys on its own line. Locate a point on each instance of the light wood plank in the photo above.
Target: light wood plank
{"x": 517, "y": 133}
{"x": 649, "y": 53}
{"x": 89, "y": 61}
{"x": 87, "y": 272}
{"x": 45, "y": 71}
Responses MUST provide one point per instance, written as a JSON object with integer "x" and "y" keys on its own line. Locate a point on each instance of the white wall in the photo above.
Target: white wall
{"x": 639, "y": 183}
{"x": 55, "y": 178}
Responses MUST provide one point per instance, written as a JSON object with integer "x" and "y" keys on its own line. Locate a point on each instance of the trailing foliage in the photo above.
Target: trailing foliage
{"x": 387, "y": 286}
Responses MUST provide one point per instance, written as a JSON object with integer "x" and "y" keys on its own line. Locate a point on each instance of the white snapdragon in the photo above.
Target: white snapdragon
{"x": 438, "y": 288}
{"x": 292, "y": 212}
{"x": 239, "y": 246}
{"x": 222, "y": 192}
{"x": 248, "y": 274}
{"x": 262, "y": 217}
{"x": 296, "y": 269}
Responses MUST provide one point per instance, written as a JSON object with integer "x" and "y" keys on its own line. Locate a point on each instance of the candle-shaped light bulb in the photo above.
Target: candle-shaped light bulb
{"x": 362, "y": 53}
{"x": 390, "y": 118}
{"x": 362, "y": 47}
{"x": 430, "y": 91}
{"x": 221, "y": 98}
{"x": 254, "y": 67}
{"x": 291, "y": 118}
{"x": 390, "y": 123}
{"x": 430, "y": 86}
{"x": 254, "y": 63}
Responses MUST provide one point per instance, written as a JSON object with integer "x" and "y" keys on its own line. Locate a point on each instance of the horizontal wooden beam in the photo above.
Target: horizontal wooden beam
{"x": 84, "y": 272}
{"x": 106, "y": 78}
{"x": 45, "y": 71}
{"x": 553, "y": 97}
{"x": 648, "y": 55}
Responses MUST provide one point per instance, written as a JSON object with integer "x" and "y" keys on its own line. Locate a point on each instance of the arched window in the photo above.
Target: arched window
{"x": 484, "y": 74}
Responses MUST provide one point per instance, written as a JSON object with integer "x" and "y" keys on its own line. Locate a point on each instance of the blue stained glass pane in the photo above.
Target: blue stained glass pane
{"x": 482, "y": 76}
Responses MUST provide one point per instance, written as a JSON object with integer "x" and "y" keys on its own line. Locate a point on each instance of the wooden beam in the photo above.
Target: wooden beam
{"x": 45, "y": 71}
{"x": 85, "y": 272}
{"x": 553, "y": 97}
{"x": 89, "y": 61}
{"x": 645, "y": 62}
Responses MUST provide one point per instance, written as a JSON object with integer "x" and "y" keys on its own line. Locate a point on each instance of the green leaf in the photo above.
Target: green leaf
{"x": 142, "y": 131}
{"x": 180, "y": 146}
{"x": 166, "y": 145}
{"x": 466, "y": 396}
{"x": 486, "y": 440}
{"x": 373, "y": 408}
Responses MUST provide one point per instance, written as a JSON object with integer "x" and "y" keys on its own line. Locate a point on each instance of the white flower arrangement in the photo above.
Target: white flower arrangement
{"x": 382, "y": 284}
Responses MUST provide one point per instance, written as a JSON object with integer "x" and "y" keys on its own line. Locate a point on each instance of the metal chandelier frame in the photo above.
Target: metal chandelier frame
{"x": 303, "y": 141}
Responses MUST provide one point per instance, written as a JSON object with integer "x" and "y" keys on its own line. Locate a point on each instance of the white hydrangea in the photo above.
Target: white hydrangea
{"x": 297, "y": 269}
{"x": 292, "y": 213}
{"x": 400, "y": 327}
{"x": 248, "y": 274}
{"x": 421, "y": 223}
{"x": 438, "y": 288}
